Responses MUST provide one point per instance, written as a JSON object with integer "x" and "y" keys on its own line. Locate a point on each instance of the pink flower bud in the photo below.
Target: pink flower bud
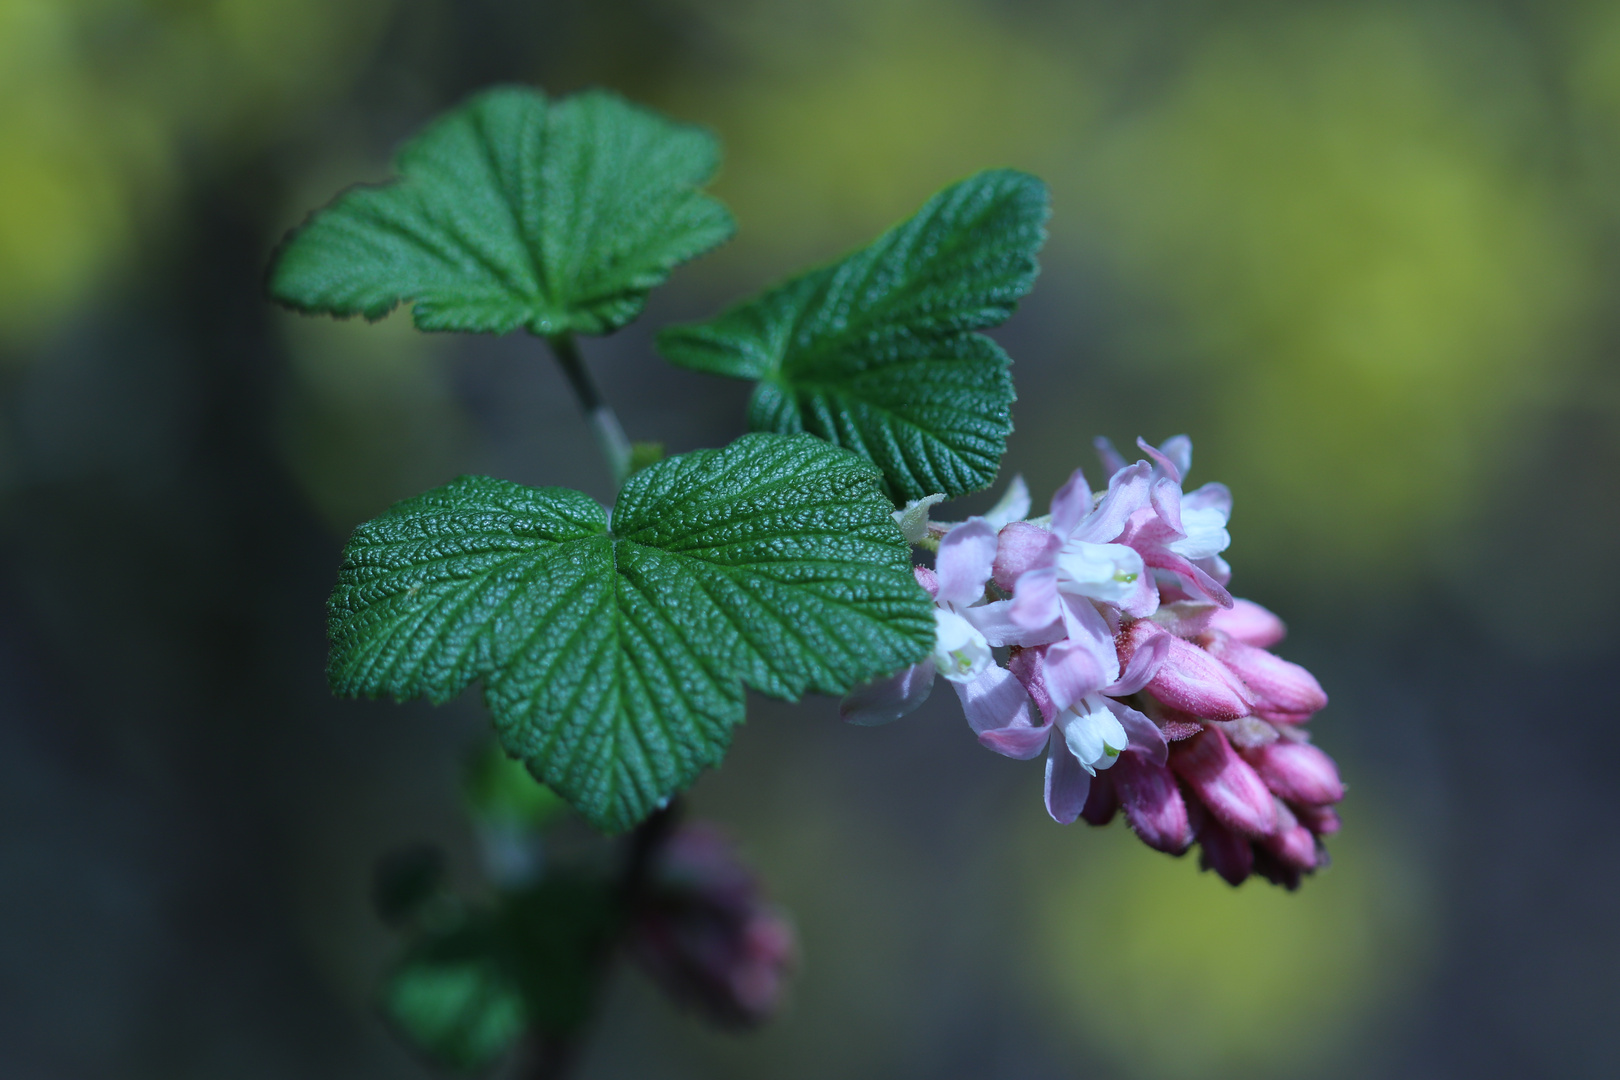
{"x": 1321, "y": 820}
{"x": 1224, "y": 851}
{"x": 1152, "y": 801}
{"x": 1225, "y": 784}
{"x": 1102, "y": 801}
{"x": 704, "y": 933}
{"x": 1021, "y": 546}
{"x": 1297, "y": 771}
{"x": 1190, "y": 679}
{"x": 1248, "y": 622}
{"x": 1292, "y": 843}
{"x": 1284, "y": 689}
{"x": 927, "y": 579}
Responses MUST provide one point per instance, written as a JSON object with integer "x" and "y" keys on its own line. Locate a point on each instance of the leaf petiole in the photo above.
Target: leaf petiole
{"x": 603, "y": 420}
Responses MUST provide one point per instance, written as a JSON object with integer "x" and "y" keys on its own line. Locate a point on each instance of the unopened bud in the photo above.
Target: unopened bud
{"x": 704, "y": 933}
{"x": 1153, "y": 803}
{"x": 1224, "y": 851}
{"x": 1190, "y": 679}
{"x": 1021, "y": 546}
{"x": 1288, "y": 692}
{"x": 1102, "y": 801}
{"x": 1224, "y": 782}
{"x": 1297, "y": 771}
{"x": 1292, "y": 843}
{"x": 1248, "y": 622}
{"x": 1321, "y": 820}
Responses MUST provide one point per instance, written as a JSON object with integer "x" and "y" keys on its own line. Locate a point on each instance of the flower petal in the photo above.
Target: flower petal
{"x": 993, "y": 699}
{"x": 1171, "y": 468}
{"x": 1127, "y": 493}
{"x": 1021, "y": 742}
{"x": 1070, "y": 504}
{"x": 1035, "y": 604}
{"x": 1140, "y": 665}
{"x": 1029, "y": 667}
{"x": 1145, "y": 736}
{"x": 883, "y": 700}
{"x": 1012, "y": 506}
{"x": 1073, "y": 669}
{"x": 995, "y": 622}
{"x": 1112, "y": 459}
{"x": 1067, "y": 784}
{"x": 963, "y": 565}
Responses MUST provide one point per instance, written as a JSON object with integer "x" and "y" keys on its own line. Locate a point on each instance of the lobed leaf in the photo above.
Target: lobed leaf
{"x": 512, "y": 211}
{"x": 614, "y": 662}
{"x": 877, "y": 352}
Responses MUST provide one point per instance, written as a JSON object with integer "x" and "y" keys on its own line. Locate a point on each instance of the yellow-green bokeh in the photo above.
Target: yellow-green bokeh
{"x": 1169, "y": 972}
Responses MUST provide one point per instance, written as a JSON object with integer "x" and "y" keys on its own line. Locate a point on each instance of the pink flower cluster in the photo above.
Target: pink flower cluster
{"x": 1155, "y": 690}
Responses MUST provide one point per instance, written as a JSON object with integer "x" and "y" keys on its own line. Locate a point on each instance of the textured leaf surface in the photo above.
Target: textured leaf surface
{"x": 512, "y": 211}
{"x": 615, "y": 661}
{"x": 877, "y": 351}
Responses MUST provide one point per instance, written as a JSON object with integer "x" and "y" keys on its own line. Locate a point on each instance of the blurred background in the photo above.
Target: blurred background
{"x": 1367, "y": 254}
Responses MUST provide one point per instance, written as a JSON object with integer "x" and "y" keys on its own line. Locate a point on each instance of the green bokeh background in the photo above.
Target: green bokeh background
{"x": 1365, "y": 253}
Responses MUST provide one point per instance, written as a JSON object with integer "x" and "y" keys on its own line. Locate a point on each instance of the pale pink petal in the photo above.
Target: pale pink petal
{"x": 994, "y": 620}
{"x": 1029, "y": 667}
{"x": 1166, "y": 498}
{"x": 1072, "y": 670}
{"x": 1112, "y": 460}
{"x": 1035, "y": 602}
{"x": 1171, "y": 468}
{"x": 1067, "y": 783}
{"x": 1127, "y": 493}
{"x": 1224, "y": 783}
{"x": 1248, "y": 622}
{"x": 993, "y": 699}
{"x": 927, "y": 579}
{"x": 1070, "y": 504}
{"x": 1153, "y": 803}
{"x": 963, "y": 564}
{"x": 1144, "y": 734}
{"x": 1197, "y": 580}
{"x": 883, "y": 700}
{"x": 1020, "y": 548}
{"x": 1178, "y": 448}
{"x": 1142, "y": 663}
{"x": 1022, "y": 742}
{"x": 1085, "y": 624}
{"x": 1012, "y": 506}
{"x": 1209, "y": 497}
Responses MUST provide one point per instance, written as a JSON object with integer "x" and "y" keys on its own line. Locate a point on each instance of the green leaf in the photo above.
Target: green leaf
{"x": 512, "y": 211}
{"x": 464, "y": 993}
{"x": 877, "y": 353}
{"x": 614, "y": 662}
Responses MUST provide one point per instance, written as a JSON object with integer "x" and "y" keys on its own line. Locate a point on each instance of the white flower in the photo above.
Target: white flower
{"x": 1105, "y": 572}
{"x": 960, "y": 650}
{"x": 1093, "y": 733}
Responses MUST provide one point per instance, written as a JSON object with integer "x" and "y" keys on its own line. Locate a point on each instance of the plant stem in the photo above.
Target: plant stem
{"x": 603, "y": 420}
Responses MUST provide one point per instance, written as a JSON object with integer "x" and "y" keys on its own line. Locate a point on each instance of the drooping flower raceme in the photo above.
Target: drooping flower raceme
{"x": 1154, "y": 688}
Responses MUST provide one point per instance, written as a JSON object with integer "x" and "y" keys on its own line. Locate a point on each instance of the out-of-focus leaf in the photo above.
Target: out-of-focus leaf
{"x": 877, "y": 352}
{"x": 512, "y": 211}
